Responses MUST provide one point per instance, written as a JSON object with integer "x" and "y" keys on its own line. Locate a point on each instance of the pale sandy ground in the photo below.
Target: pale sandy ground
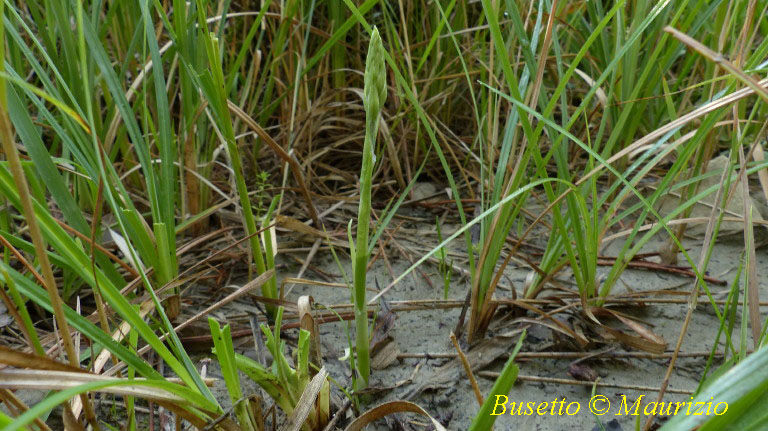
{"x": 428, "y": 331}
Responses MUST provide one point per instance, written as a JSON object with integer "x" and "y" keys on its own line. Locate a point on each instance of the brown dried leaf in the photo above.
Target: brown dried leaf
{"x": 386, "y": 355}
{"x": 60, "y": 380}
{"x": 309, "y": 324}
{"x": 557, "y": 326}
{"x": 19, "y": 359}
{"x": 634, "y": 342}
{"x": 639, "y": 328}
{"x": 389, "y": 408}
{"x": 306, "y": 402}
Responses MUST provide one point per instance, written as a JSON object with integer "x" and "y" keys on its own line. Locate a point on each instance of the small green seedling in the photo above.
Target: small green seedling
{"x": 285, "y": 384}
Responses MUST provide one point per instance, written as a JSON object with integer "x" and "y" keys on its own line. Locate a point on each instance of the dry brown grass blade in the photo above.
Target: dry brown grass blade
{"x": 634, "y": 342}
{"x": 720, "y": 60}
{"x": 308, "y": 282}
{"x": 47, "y": 380}
{"x": 752, "y": 288}
{"x": 661, "y": 131}
{"x": 541, "y": 66}
{"x": 467, "y": 369}
{"x": 297, "y": 226}
{"x": 547, "y": 320}
{"x": 392, "y": 153}
{"x": 304, "y": 266}
{"x": 555, "y": 326}
{"x": 688, "y": 221}
{"x": 306, "y": 402}
{"x": 655, "y": 343}
{"x": 671, "y": 146}
{"x": 15, "y": 358}
{"x": 389, "y": 408}
{"x": 292, "y": 163}
{"x": 70, "y": 421}
{"x": 225, "y": 424}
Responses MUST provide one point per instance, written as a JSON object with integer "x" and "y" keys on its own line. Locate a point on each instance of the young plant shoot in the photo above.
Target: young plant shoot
{"x": 375, "y": 93}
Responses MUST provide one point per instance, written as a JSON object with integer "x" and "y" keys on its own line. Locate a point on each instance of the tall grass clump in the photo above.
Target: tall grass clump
{"x": 582, "y": 211}
{"x": 103, "y": 158}
{"x": 213, "y": 86}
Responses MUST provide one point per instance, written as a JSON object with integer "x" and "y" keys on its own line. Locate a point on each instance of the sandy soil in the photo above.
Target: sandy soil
{"x": 427, "y": 331}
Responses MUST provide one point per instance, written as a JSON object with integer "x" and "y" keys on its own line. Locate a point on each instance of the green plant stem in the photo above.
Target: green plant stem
{"x": 362, "y": 256}
{"x": 214, "y": 90}
{"x": 375, "y": 93}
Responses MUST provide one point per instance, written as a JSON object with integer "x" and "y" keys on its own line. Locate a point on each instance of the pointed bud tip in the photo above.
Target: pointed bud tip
{"x": 375, "y": 89}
